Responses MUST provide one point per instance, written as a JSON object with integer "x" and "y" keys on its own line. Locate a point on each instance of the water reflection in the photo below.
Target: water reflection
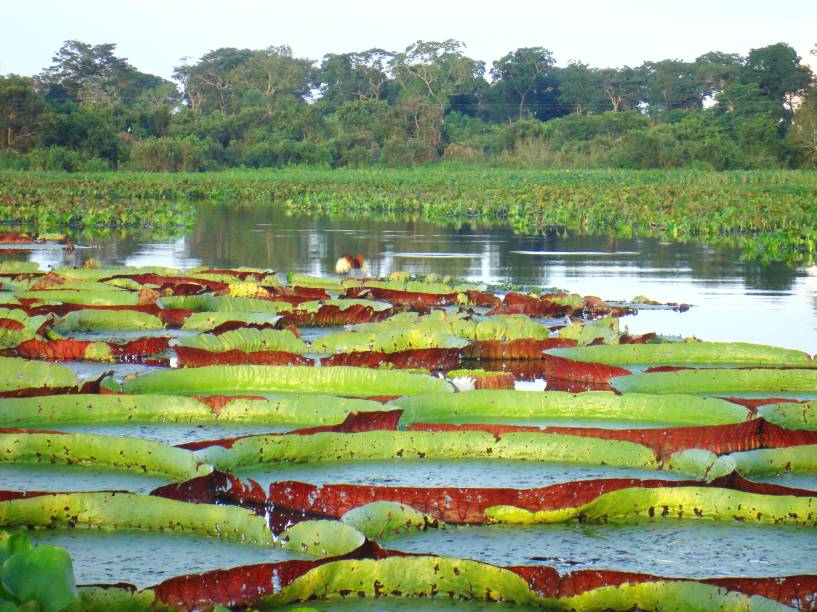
{"x": 736, "y": 300}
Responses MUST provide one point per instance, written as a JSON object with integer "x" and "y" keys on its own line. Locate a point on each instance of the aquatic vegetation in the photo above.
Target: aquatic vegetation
{"x": 237, "y": 326}
{"x": 87, "y": 319}
{"x": 481, "y": 379}
{"x": 342, "y": 380}
{"x": 458, "y": 505}
{"x": 93, "y": 450}
{"x": 21, "y": 373}
{"x": 207, "y": 321}
{"x": 246, "y": 339}
{"x": 520, "y": 348}
{"x": 793, "y": 415}
{"x": 676, "y": 205}
{"x": 139, "y": 350}
{"x": 39, "y": 578}
{"x": 243, "y": 345}
{"x": 720, "y": 381}
{"x": 119, "y": 510}
{"x": 378, "y": 573}
{"x": 390, "y": 340}
{"x": 488, "y": 406}
{"x": 685, "y": 353}
{"x": 294, "y": 409}
{"x": 393, "y": 445}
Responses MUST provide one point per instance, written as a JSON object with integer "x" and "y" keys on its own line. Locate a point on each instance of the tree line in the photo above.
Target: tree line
{"x": 92, "y": 110}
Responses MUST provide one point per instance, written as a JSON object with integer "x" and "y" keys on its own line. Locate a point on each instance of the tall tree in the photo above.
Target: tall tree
{"x": 778, "y": 73}
{"x": 436, "y": 71}
{"x": 94, "y": 75}
{"x": 804, "y": 126}
{"x": 581, "y": 88}
{"x": 527, "y": 73}
{"x": 716, "y": 70}
{"x": 671, "y": 84}
{"x": 20, "y": 108}
{"x": 208, "y": 84}
{"x": 361, "y": 75}
{"x": 274, "y": 72}
{"x": 623, "y": 87}
{"x": 428, "y": 75}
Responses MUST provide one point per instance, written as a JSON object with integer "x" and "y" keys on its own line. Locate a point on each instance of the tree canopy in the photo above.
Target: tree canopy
{"x": 267, "y": 107}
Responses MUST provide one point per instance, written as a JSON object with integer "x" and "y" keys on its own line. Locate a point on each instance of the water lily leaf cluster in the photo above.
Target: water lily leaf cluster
{"x": 382, "y": 373}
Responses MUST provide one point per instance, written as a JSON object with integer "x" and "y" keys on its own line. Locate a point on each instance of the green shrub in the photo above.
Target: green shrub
{"x": 169, "y": 155}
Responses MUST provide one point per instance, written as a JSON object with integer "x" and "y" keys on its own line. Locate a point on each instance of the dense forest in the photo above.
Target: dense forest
{"x": 92, "y": 110}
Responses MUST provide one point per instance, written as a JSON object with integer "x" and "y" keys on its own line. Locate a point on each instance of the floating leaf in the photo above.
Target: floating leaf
{"x": 117, "y": 510}
{"x": 196, "y": 358}
{"x": 721, "y": 381}
{"x": 43, "y": 574}
{"x": 296, "y": 409}
{"x": 594, "y": 405}
{"x": 321, "y": 538}
{"x": 110, "y": 452}
{"x": 581, "y": 371}
{"x": 685, "y": 353}
{"x": 382, "y": 519}
{"x": 340, "y": 380}
{"x": 97, "y": 320}
{"x": 205, "y": 321}
{"x": 522, "y": 348}
{"x": 247, "y": 340}
{"x": 426, "y": 359}
{"x": 21, "y": 373}
{"x": 223, "y": 303}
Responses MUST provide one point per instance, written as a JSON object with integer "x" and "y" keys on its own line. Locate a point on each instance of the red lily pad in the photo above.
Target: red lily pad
{"x": 194, "y": 357}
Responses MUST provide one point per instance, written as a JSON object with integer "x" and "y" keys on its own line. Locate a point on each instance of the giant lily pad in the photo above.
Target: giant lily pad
{"x": 321, "y": 538}
{"x": 390, "y": 445}
{"x": 117, "y": 510}
{"x": 21, "y": 373}
{"x": 246, "y": 339}
{"x": 673, "y": 409}
{"x": 683, "y": 353}
{"x": 128, "y": 454}
{"x": 223, "y": 303}
{"x": 97, "y": 320}
{"x": 339, "y": 380}
{"x": 296, "y": 409}
{"x": 720, "y": 381}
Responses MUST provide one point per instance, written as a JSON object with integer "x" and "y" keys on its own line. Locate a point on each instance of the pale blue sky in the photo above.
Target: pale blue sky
{"x": 155, "y": 34}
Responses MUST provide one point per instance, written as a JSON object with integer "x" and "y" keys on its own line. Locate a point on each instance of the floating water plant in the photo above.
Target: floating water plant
{"x": 237, "y": 326}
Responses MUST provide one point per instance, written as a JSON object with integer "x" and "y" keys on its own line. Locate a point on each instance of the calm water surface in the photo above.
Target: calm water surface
{"x": 734, "y": 300}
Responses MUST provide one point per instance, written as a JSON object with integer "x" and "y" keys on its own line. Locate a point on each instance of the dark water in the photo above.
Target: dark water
{"x": 734, "y": 300}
